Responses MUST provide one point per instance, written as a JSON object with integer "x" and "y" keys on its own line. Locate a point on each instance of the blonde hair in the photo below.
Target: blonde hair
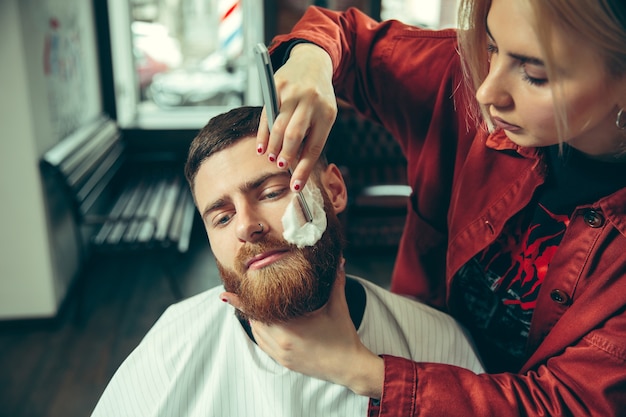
{"x": 601, "y": 23}
{"x": 472, "y": 38}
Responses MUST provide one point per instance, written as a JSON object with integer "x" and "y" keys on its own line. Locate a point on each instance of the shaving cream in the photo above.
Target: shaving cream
{"x": 297, "y": 230}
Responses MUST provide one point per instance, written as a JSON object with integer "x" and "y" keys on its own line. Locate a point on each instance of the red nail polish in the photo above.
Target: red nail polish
{"x": 225, "y": 300}
{"x": 296, "y": 187}
{"x": 281, "y": 164}
{"x": 272, "y": 158}
{"x": 259, "y": 149}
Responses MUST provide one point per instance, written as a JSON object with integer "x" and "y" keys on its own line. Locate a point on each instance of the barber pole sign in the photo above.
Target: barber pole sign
{"x": 230, "y": 31}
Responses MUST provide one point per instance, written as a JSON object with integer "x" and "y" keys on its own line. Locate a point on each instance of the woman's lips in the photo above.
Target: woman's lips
{"x": 504, "y": 125}
{"x": 264, "y": 259}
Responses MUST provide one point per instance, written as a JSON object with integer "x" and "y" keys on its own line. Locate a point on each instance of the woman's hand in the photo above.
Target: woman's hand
{"x": 308, "y": 109}
{"x": 324, "y": 344}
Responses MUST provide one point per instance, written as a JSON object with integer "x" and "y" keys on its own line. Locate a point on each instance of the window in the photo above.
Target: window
{"x": 176, "y": 63}
{"x": 434, "y": 14}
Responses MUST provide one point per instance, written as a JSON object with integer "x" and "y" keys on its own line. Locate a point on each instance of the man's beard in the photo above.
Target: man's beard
{"x": 297, "y": 284}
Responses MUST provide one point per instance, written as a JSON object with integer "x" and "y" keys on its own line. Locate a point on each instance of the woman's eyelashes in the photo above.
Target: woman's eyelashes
{"x": 534, "y": 81}
{"x": 531, "y": 75}
{"x": 534, "y": 76}
{"x": 491, "y": 49}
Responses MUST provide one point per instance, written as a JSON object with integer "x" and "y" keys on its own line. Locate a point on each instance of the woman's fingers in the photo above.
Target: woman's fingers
{"x": 232, "y": 299}
{"x": 263, "y": 135}
{"x": 308, "y": 109}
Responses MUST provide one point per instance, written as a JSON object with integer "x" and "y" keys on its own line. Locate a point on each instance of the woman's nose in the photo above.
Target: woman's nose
{"x": 494, "y": 91}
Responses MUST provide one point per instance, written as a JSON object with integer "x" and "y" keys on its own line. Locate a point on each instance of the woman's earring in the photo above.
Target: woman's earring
{"x": 620, "y": 122}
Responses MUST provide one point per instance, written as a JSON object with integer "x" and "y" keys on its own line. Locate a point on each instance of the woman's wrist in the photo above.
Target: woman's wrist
{"x": 313, "y": 54}
{"x": 366, "y": 376}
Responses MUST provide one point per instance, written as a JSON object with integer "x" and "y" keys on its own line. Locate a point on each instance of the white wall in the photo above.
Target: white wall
{"x": 40, "y": 103}
{"x": 26, "y": 278}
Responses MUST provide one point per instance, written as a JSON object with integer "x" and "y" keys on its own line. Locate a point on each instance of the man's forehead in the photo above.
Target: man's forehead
{"x": 231, "y": 172}
{"x": 231, "y": 166}
{"x": 229, "y": 160}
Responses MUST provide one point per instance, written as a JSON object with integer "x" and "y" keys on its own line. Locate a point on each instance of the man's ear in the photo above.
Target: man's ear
{"x": 335, "y": 187}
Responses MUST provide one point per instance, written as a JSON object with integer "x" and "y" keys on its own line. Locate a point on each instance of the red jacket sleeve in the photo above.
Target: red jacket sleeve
{"x": 586, "y": 381}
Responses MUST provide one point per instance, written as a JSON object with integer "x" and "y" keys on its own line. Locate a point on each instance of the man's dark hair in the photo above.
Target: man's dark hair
{"x": 221, "y": 132}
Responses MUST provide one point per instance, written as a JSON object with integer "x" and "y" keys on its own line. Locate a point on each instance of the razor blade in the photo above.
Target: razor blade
{"x": 270, "y": 98}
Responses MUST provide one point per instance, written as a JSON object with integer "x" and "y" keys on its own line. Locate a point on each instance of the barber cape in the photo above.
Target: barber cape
{"x": 197, "y": 360}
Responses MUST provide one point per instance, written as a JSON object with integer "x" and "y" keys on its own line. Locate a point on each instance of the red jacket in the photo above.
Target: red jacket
{"x": 466, "y": 185}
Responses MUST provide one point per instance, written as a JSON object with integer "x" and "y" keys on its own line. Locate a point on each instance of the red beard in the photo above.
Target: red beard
{"x": 297, "y": 284}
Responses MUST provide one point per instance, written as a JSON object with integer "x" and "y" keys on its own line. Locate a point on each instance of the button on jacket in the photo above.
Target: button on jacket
{"x": 466, "y": 184}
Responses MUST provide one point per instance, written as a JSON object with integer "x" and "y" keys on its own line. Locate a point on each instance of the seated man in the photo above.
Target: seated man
{"x": 200, "y": 359}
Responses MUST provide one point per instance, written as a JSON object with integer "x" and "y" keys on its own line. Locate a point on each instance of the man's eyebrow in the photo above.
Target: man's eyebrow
{"x": 217, "y": 204}
{"x": 244, "y": 188}
{"x": 260, "y": 180}
{"x": 527, "y": 59}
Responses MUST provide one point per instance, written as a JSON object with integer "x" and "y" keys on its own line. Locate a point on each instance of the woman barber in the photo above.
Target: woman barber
{"x": 513, "y": 127}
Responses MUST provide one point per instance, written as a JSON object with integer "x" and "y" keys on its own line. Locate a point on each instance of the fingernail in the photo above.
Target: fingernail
{"x": 225, "y": 300}
{"x": 297, "y": 185}
{"x": 282, "y": 163}
{"x": 259, "y": 149}
{"x": 271, "y": 157}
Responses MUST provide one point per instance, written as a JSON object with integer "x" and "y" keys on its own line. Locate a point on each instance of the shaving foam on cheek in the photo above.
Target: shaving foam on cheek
{"x": 297, "y": 230}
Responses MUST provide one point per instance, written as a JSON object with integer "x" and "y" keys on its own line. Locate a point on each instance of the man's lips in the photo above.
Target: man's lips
{"x": 504, "y": 125}
{"x": 266, "y": 258}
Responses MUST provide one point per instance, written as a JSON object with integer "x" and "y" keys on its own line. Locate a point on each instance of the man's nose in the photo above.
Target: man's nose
{"x": 250, "y": 228}
{"x": 494, "y": 91}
